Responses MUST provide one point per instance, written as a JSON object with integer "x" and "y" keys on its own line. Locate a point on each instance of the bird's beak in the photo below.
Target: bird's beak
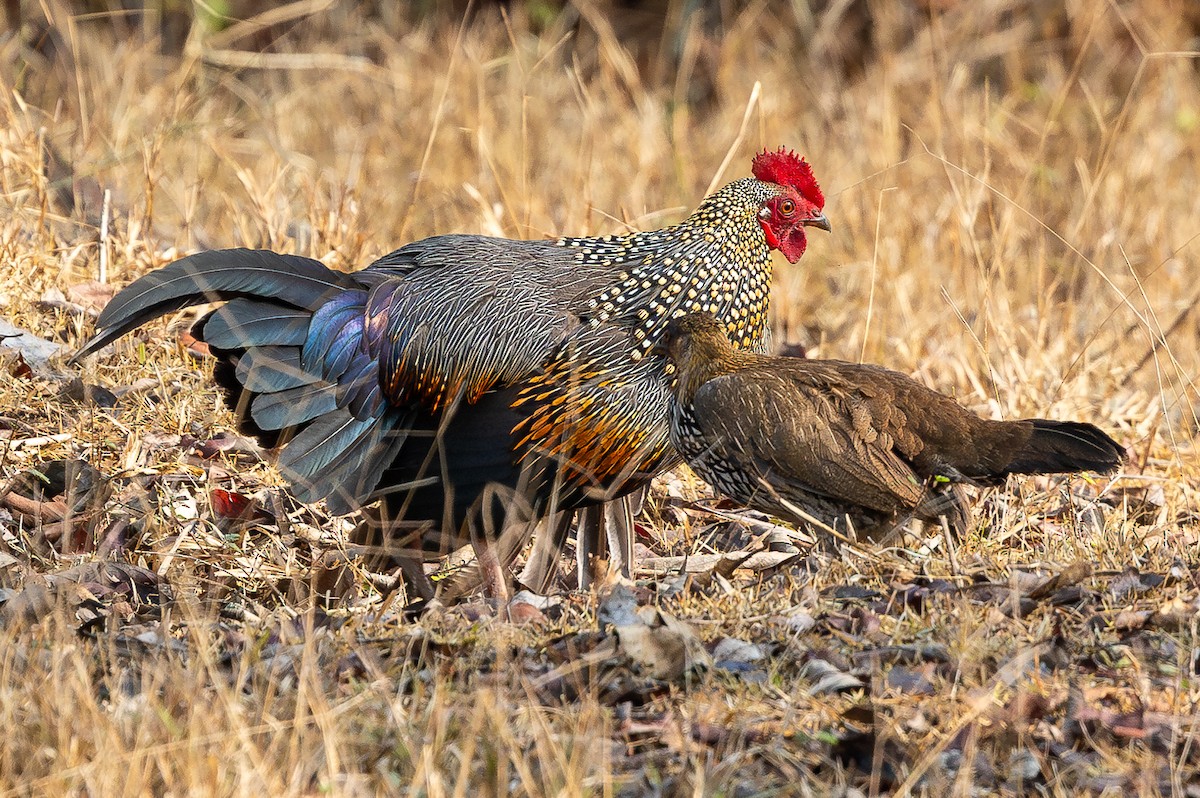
{"x": 819, "y": 221}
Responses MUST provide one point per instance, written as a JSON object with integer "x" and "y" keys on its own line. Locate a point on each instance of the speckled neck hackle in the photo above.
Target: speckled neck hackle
{"x": 717, "y": 260}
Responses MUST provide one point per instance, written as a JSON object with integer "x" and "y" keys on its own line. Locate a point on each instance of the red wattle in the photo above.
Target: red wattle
{"x": 772, "y": 239}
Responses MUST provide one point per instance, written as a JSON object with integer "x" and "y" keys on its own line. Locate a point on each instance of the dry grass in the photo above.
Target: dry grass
{"x": 1013, "y": 192}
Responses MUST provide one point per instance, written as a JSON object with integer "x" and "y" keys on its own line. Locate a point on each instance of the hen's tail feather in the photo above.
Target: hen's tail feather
{"x": 316, "y": 446}
{"x": 1065, "y": 446}
{"x": 212, "y": 276}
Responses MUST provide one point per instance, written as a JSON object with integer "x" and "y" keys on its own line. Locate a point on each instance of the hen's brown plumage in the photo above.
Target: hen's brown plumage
{"x": 827, "y": 441}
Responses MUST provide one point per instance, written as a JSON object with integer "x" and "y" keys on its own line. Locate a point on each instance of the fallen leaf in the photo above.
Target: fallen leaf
{"x": 76, "y": 390}
{"x": 913, "y": 653}
{"x": 1178, "y": 613}
{"x": 1142, "y": 504}
{"x": 1132, "y": 581}
{"x": 13, "y": 364}
{"x": 227, "y": 442}
{"x": 91, "y": 295}
{"x": 330, "y": 581}
{"x": 34, "y": 350}
{"x": 88, "y": 591}
{"x": 665, "y": 647}
{"x": 730, "y": 649}
{"x": 800, "y": 621}
{"x": 618, "y": 607}
{"x": 852, "y": 593}
{"x": 194, "y": 345}
{"x": 1023, "y": 769}
{"x": 523, "y": 613}
{"x": 912, "y": 681}
{"x": 64, "y": 499}
{"x": 230, "y": 504}
{"x": 1128, "y": 620}
{"x": 827, "y": 678}
{"x": 1070, "y": 576}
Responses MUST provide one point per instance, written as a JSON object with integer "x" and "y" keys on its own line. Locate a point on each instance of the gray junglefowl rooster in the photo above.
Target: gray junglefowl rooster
{"x": 820, "y": 442}
{"x": 469, "y": 381}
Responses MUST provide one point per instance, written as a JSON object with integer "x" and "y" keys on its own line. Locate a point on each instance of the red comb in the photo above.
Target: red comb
{"x": 786, "y": 168}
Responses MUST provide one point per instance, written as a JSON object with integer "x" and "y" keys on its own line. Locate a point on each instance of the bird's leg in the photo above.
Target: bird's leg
{"x": 492, "y": 573}
{"x": 619, "y": 520}
{"x": 589, "y": 544}
{"x": 542, "y": 566}
{"x": 949, "y": 501}
{"x": 497, "y": 536}
{"x": 607, "y": 530}
{"x": 487, "y": 570}
{"x": 416, "y": 581}
{"x": 493, "y": 559}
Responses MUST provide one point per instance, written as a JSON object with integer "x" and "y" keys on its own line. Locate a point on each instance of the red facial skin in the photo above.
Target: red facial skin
{"x": 783, "y": 220}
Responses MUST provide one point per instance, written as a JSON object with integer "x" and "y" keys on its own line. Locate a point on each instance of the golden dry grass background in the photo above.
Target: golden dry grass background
{"x": 1012, "y": 188}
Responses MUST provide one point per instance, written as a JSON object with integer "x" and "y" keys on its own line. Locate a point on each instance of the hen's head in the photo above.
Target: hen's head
{"x": 695, "y": 343}
{"x": 800, "y": 204}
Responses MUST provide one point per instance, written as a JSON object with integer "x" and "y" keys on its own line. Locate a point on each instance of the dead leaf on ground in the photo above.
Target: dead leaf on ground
{"x": 36, "y": 351}
{"x": 1070, "y": 576}
{"x": 232, "y": 505}
{"x": 731, "y": 649}
{"x": 1118, "y": 712}
{"x": 229, "y": 442}
{"x": 725, "y": 564}
{"x": 12, "y": 363}
{"x": 908, "y": 680}
{"x": 90, "y": 591}
{"x": 740, "y": 658}
{"x": 521, "y": 612}
{"x": 1132, "y": 581}
{"x": 143, "y": 385}
{"x": 194, "y": 345}
{"x": 664, "y": 646}
{"x": 92, "y": 295}
{"x": 1177, "y": 613}
{"x": 55, "y": 301}
{"x": 826, "y": 677}
{"x": 76, "y": 390}
{"x": 330, "y": 580}
{"x": 1142, "y": 504}
{"x": 61, "y": 499}
{"x": 799, "y": 621}
{"x": 906, "y": 654}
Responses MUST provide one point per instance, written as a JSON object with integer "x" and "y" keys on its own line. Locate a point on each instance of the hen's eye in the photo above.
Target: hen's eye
{"x": 787, "y": 207}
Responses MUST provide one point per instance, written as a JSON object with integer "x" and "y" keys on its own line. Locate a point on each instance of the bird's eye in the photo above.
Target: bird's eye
{"x": 787, "y": 207}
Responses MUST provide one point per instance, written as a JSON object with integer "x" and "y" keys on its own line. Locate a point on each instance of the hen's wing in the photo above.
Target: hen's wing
{"x": 811, "y": 431}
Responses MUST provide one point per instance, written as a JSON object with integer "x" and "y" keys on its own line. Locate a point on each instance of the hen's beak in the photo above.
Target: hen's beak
{"x": 820, "y": 222}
